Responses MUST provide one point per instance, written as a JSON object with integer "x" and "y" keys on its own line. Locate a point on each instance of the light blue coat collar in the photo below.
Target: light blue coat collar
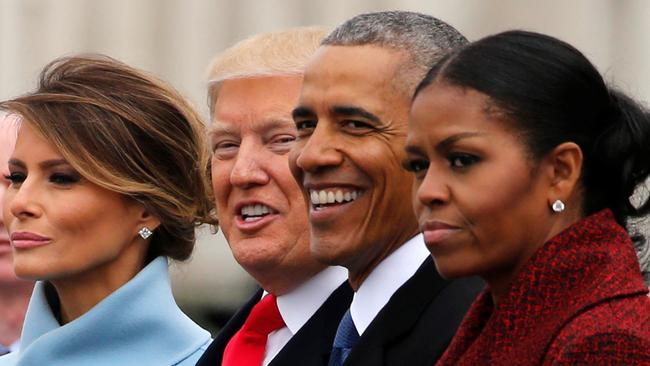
{"x": 139, "y": 324}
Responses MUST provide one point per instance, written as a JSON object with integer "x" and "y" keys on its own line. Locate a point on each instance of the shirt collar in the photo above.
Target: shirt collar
{"x": 377, "y": 289}
{"x": 297, "y": 306}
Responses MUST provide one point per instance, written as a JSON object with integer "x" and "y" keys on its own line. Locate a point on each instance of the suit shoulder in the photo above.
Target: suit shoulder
{"x": 214, "y": 352}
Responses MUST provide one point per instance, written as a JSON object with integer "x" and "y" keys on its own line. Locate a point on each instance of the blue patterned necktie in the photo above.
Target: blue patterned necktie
{"x": 346, "y": 337}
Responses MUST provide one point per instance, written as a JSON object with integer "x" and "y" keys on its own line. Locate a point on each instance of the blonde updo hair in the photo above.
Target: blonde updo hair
{"x": 131, "y": 133}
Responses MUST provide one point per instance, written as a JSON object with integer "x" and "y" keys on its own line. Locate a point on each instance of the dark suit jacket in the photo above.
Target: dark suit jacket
{"x": 580, "y": 300}
{"x": 312, "y": 344}
{"x": 418, "y": 322}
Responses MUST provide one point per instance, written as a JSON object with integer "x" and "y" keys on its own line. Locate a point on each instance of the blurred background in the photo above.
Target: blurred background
{"x": 176, "y": 39}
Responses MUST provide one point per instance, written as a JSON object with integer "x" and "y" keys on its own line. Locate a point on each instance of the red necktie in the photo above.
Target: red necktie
{"x": 247, "y": 346}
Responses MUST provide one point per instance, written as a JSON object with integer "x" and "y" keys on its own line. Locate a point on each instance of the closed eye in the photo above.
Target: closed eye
{"x": 285, "y": 139}
{"x": 281, "y": 144}
{"x": 225, "y": 149}
{"x": 225, "y": 145}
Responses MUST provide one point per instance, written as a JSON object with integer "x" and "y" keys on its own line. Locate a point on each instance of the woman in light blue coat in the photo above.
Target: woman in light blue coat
{"x": 108, "y": 182}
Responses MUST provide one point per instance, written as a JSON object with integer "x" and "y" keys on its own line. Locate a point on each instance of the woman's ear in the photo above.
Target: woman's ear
{"x": 565, "y": 169}
{"x": 145, "y": 220}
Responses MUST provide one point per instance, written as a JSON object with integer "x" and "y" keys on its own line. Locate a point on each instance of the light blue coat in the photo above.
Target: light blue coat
{"x": 139, "y": 324}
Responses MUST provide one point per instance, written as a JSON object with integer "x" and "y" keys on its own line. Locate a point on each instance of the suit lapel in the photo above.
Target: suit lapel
{"x": 399, "y": 316}
{"x": 214, "y": 354}
{"x": 313, "y": 342}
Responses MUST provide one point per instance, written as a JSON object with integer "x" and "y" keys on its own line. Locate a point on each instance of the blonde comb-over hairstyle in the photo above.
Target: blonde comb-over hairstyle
{"x": 131, "y": 133}
{"x": 283, "y": 52}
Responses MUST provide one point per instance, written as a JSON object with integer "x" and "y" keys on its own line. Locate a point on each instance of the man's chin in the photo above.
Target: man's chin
{"x": 330, "y": 252}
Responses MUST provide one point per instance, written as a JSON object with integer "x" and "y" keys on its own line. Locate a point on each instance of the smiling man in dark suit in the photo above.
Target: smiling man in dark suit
{"x": 292, "y": 320}
{"x": 352, "y": 123}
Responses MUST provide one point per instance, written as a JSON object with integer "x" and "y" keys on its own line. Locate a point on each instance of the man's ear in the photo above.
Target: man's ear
{"x": 564, "y": 166}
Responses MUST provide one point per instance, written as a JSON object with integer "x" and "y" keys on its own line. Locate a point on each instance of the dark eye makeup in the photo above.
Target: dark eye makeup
{"x": 64, "y": 179}
{"x": 58, "y": 178}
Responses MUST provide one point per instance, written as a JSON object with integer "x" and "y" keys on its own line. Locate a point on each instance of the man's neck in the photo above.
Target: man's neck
{"x": 358, "y": 272}
{"x": 281, "y": 281}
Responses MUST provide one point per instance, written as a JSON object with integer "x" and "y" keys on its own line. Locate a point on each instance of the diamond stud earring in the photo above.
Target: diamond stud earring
{"x": 145, "y": 232}
{"x": 558, "y": 206}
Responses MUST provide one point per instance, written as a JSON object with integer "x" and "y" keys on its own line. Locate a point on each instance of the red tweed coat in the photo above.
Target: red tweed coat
{"x": 580, "y": 300}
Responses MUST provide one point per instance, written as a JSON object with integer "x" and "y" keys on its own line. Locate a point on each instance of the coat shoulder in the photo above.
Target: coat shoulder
{"x": 614, "y": 332}
{"x": 193, "y": 358}
{"x": 9, "y": 359}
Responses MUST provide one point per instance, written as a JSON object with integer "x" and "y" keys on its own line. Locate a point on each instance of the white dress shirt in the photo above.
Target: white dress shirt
{"x": 299, "y": 305}
{"x": 385, "y": 279}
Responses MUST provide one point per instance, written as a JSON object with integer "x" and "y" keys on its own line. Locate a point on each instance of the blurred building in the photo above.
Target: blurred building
{"x": 176, "y": 39}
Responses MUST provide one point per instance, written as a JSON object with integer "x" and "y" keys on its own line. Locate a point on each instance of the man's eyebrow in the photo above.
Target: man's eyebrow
{"x": 302, "y": 112}
{"x": 261, "y": 126}
{"x": 217, "y": 128}
{"x": 444, "y": 144}
{"x": 351, "y": 111}
{"x": 273, "y": 124}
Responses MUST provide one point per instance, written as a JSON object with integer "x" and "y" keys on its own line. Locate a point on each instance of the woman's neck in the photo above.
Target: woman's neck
{"x": 80, "y": 293}
{"x": 14, "y": 298}
{"x": 501, "y": 280}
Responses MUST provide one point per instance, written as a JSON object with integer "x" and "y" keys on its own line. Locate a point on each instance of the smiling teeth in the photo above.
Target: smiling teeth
{"x": 338, "y": 196}
{"x": 255, "y": 210}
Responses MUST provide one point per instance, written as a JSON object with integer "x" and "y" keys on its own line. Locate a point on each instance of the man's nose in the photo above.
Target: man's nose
{"x": 321, "y": 150}
{"x": 248, "y": 169}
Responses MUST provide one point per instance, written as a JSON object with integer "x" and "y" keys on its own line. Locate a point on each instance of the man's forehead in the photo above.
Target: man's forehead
{"x": 260, "y": 125}
{"x": 340, "y": 72}
{"x": 335, "y": 59}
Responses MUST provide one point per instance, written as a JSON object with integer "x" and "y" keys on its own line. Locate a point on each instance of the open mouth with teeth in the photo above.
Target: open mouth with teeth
{"x": 256, "y": 212}
{"x": 321, "y": 199}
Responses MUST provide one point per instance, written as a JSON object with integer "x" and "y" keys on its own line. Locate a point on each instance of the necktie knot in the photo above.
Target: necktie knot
{"x": 247, "y": 346}
{"x": 265, "y": 317}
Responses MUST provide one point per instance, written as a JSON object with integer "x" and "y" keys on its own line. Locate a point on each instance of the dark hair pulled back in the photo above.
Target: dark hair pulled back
{"x": 550, "y": 93}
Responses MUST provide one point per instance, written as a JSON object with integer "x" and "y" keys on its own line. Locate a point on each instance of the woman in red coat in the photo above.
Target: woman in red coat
{"x": 525, "y": 162}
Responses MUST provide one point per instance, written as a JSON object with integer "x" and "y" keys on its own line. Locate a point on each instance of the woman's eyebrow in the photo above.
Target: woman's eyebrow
{"x": 444, "y": 144}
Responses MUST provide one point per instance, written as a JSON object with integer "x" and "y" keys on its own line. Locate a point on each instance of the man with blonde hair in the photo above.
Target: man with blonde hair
{"x": 292, "y": 319}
